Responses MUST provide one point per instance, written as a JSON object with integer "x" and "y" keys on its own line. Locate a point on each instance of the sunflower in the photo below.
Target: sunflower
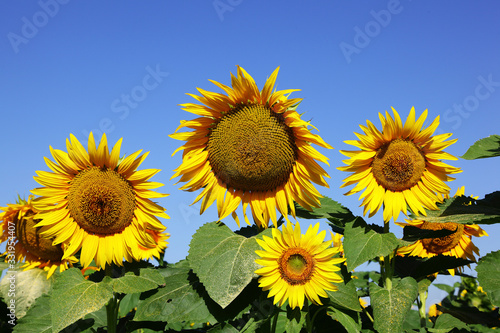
{"x": 18, "y": 227}
{"x": 250, "y": 147}
{"x": 399, "y": 167}
{"x": 161, "y": 244}
{"x": 337, "y": 242}
{"x": 297, "y": 266}
{"x": 94, "y": 202}
{"x": 458, "y": 244}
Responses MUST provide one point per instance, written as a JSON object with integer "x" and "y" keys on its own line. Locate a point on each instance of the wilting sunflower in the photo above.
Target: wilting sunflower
{"x": 18, "y": 227}
{"x": 297, "y": 266}
{"x": 458, "y": 244}
{"x": 250, "y": 147}
{"x": 399, "y": 167}
{"x": 94, "y": 202}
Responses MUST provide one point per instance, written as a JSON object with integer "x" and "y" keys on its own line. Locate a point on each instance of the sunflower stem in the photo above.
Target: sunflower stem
{"x": 422, "y": 296}
{"x": 275, "y": 321}
{"x": 309, "y": 325}
{"x": 387, "y": 265}
{"x": 112, "y": 306}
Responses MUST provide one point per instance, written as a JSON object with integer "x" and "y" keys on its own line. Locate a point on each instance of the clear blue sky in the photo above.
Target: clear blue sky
{"x": 73, "y": 66}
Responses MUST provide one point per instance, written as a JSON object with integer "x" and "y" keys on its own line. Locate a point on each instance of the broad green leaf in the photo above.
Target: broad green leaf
{"x": 73, "y": 297}
{"x": 488, "y": 275}
{"x": 486, "y": 147}
{"x": 37, "y": 319}
{"x": 131, "y": 283}
{"x": 128, "y": 303}
{"x": 295, "y": 321}
{"x": 349, "y": 319}
{"x": 346, "y": 296}
{"x": 336, "y": 214}
{"x": 445, "y": 323}
{"x": 178, "y": 303}
{"x": 412, "y": 321}
{"x": 361, "y": 243}
{"x": 99, "y": 318}
{"x": 223, "y": 260}
{"x": 466, "y": 210}
{"x": 29, "y": 285}
{"x": 390, "y": 307}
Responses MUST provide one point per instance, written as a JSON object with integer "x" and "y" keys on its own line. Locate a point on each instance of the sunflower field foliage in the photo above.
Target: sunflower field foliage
{"x": 85, "y": 250}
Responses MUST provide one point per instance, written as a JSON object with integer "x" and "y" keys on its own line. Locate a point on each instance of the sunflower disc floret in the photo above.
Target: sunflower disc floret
{"x": 97, "y": 204}
{"x": 399, "y": 167}
{"x": 250, "y": 147}
{"x": 296, "y": 266}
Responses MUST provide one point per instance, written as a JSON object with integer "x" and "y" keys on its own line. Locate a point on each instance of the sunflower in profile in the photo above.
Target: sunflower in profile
{"x": 100, "y": 204}
{"x": 250, "y": 147}
{"x": 18, "y": 227}
{"x": 296, "y": 266}
{"x": 458, "y": 244}
{"x": 399, "y": 167}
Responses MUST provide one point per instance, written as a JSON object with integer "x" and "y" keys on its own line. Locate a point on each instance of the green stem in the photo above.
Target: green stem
{"x": 112, "y": 313}
{"x": 112, "y": 306}
{"x": 275, "y": 321}
{"x": 317, "y": 312}
{"x": 309, "y": 326}
{"x": 388, "y": 267}
{"x": 422, "y": 295}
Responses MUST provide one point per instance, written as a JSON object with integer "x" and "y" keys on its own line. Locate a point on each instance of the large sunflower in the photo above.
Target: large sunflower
{"x": 297, "y": 266}
{"x": 18, "y": 228}
{"x": 458, "y": 244}
{"x": 250, "y": 147}
{"x": 94, "y": 202}
{"x": 399, "y": 167}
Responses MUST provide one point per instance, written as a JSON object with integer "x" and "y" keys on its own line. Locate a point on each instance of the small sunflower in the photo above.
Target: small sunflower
{"x": 296, "y": 266}
{"x": 18, "y": 226}
{"x": 337, "y": 242}
{"x": 94, "y": 202}
{"x": 458, "y": 244}
{"x": 399, "y": 167}
{"x": 250, "y": 147}
{"x": 161, "y": 244}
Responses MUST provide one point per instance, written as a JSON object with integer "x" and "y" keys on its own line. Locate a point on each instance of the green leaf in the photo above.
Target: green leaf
{"x": 488, "y": 275}
{"x": 346, "y": 296}
{"x": 486, "y": 147}
{"x": 130, "y": 283}
{"x": 329, "y": 209}
{"x": 177, "y": 303}
{"x": 128, "y": 303}
{"x": 73, "y": 297}
{"x": 29, "y": 285}
{"x": 223, "y": 261}
{"x": 296, "y": 320}
{"x": 390, "y": 307}
{"x": 37, "y": 319}
{"x": 465, "y": 210}
{"x": 445, "y": 323}
{"x": 350, "y": 320}
{"x": 361, "y": 243}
